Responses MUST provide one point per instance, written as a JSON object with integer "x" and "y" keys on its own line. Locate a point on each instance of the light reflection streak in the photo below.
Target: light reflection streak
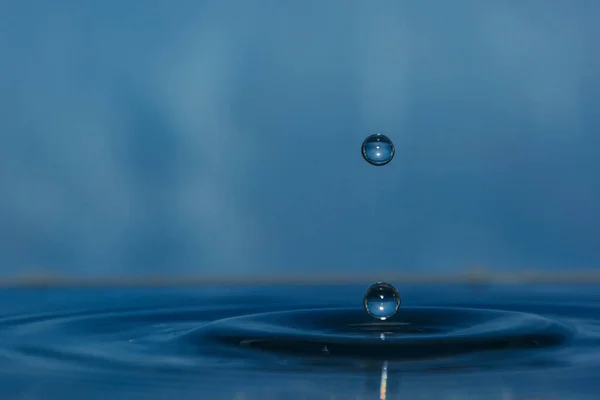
{"x": 383, "y": 384}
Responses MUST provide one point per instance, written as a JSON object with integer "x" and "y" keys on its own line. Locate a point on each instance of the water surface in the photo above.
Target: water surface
{"x": 300, "y": 342}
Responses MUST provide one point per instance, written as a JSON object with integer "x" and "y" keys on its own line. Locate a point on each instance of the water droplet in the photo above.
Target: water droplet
{"x": 381, "y": 301}
{"x": 378, "y": 149}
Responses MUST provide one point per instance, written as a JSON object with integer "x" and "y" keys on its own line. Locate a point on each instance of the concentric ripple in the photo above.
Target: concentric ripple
{"x": 218, "y": 340}
{"x": 415, "y": 334}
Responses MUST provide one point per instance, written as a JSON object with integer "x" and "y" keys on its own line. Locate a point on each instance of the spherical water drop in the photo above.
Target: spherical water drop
{"x": 381, "y": 301}
{"x": 378, "y": 149}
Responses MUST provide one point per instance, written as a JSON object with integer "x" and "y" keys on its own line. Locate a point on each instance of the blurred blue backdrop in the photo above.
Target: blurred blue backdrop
{"x": 223, "y": 137}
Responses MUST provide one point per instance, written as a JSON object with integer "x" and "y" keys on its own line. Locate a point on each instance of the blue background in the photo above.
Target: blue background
{"x": 222, "y": 138}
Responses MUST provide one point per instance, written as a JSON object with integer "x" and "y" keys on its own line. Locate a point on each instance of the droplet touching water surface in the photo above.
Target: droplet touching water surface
{"x": 381, "y": 301}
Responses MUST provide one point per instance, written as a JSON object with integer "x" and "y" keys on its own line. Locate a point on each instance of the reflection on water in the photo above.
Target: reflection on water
{"x": 318, "y": 343}
{"x": 383, "y": 386}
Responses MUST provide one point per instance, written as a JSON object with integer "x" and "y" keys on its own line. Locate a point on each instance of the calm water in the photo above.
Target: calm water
{"x": 299, "y": 343}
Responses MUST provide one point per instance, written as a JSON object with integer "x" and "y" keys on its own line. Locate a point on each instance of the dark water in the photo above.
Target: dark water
{"x": 299, "y": 343}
